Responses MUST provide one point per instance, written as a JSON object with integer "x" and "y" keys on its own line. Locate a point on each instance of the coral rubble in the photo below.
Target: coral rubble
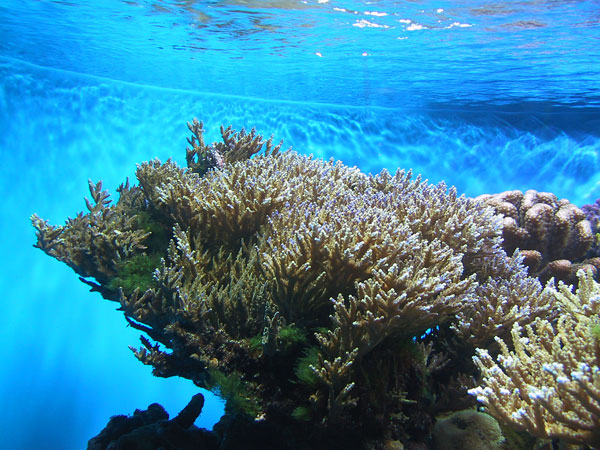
{"x": 318, "y": 301}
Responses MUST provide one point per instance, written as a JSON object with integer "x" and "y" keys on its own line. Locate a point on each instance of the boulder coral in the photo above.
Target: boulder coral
{"x": 553, "y": 235}
{"x": 468, "y": 429}
{"x": 307, "y": 294}
{"x": 592, "y": 214}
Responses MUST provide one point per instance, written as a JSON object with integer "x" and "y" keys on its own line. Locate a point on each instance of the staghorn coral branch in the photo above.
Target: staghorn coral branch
{"x": 101, "y": 198}
{"x": 508, "y": 297}
{"x": 549, "y": 385}
{"x": 241, "y": 146}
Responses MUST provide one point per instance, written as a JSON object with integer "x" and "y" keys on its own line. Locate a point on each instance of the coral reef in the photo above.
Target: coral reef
{"x": 312, "y": 297}
{"x": 553, "y": 235}
{"x": 549, "y": 384}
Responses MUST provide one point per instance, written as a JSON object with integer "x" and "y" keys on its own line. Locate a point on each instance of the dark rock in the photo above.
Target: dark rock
{"x": 151, "y": 429}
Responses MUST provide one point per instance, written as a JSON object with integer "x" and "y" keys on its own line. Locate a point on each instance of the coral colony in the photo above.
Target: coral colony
{"x": 334, "y": 309}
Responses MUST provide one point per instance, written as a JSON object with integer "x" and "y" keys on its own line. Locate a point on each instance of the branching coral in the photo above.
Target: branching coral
{"x": 549, "y": 385}
{"x": 94, "y": 244}
{"x": 506, "y": 297}
{"x": 552, "y": 234}
{"x": 239, "y": 146}
{"x": 300, "y": 282}
{"x": 390, "y": 305}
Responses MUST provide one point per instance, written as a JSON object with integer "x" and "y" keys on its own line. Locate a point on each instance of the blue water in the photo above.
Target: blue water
{"x": 487, "y": 96}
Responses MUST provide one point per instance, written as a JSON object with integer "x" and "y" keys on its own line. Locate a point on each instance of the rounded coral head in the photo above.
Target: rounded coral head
{"x": 467, "y": 429}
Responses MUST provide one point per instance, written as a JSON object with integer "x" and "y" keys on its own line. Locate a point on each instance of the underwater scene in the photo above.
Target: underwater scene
{"x": 300, "y": 224}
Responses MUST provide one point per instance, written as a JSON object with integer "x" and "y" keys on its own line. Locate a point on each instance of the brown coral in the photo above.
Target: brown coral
{"x": 468, "y": 429}
{"x": 93, "y": 244}
{"x": 508, "y": 297}
{"x": 296, "y": 285}
{"x": 236, "y": 146}
{"x": 549, "y": 385}
{"x": 553, "y": 235}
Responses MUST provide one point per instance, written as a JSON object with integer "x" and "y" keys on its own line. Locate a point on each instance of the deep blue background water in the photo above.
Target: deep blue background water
{"x": 487, "y": 96}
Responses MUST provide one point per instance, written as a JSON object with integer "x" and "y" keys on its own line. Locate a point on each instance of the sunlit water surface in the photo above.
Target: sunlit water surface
{"x": 486, "y": 96}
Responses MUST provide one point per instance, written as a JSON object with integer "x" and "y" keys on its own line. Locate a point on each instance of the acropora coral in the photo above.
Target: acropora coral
{"x": 548, "y": 384}
{"x": 311, "y": 296}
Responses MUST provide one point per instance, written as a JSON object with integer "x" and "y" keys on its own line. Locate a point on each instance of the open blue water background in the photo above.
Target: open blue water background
{"x": 487, "y": 96}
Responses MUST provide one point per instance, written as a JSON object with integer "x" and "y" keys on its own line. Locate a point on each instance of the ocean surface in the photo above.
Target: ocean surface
{"x": 486, "y": 96}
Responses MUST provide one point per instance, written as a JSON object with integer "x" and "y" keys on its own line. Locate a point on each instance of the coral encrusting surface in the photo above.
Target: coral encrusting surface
{"x": 331, "y": 307}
